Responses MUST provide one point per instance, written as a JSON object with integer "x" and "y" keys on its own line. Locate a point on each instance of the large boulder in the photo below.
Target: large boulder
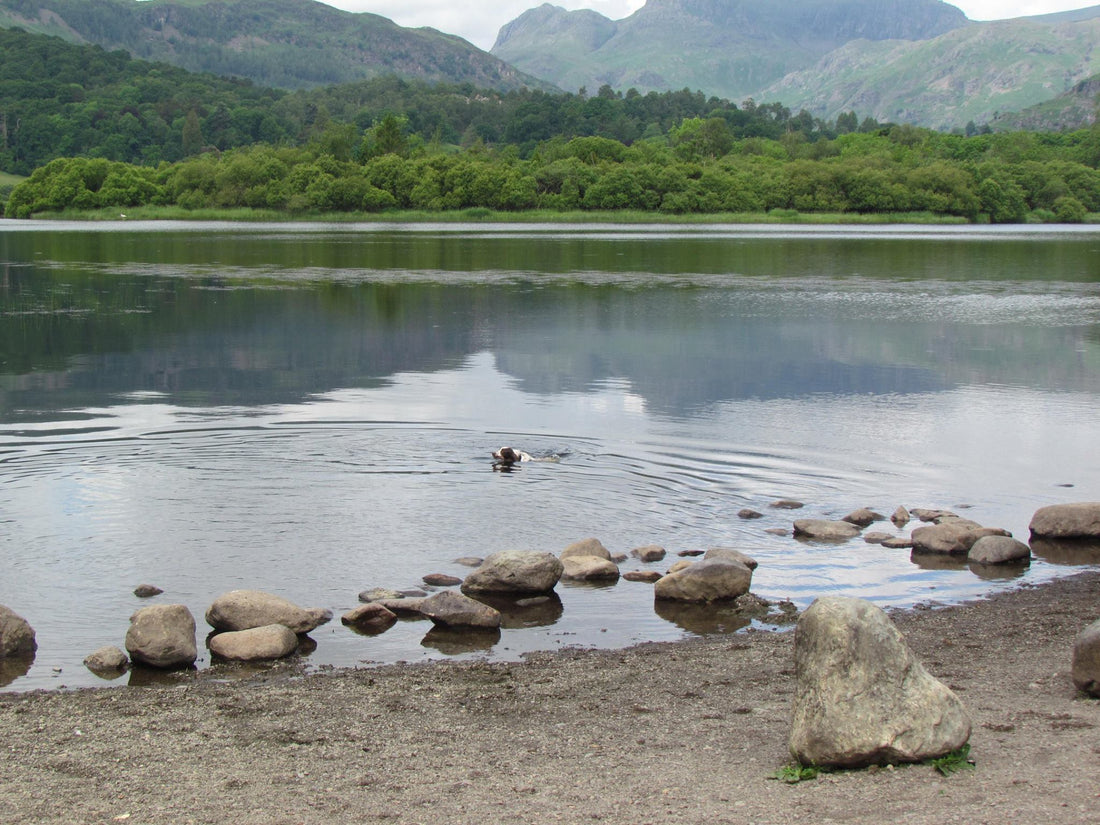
{"x": 823, "y": 530}
{"x": 1067, "y": 521}
{"x": 454, "y": 609}
{"x": 709, "y": 580}
{"x": 162, "y": 636}
{"x": 1086, "y": 660}
{"x": 999, "y": 550}
{"x": 953, "y": 538}
{"x": 245, "y": 609}
{"x": 16, "y": 635}
{"x": 273, "y": 641}
{"x": 861, "y": 698}
{"x": 515, "y": 571}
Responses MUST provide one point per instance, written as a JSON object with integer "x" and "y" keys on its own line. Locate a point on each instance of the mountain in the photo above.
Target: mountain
{"x": 730, "y": 48}
{"x": 288, "y": 44}
{"x": 1076, "y": 109}
{"x": 967, "y": 75}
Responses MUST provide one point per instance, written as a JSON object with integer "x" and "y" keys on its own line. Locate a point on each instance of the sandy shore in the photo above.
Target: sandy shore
{"x": 685, "y": 732}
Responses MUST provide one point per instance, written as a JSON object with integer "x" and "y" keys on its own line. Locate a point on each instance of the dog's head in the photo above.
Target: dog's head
{"x": 507, "y": 455}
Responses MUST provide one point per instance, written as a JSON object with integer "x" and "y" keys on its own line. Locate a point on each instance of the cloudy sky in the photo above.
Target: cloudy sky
{"x": 479, "y": 22}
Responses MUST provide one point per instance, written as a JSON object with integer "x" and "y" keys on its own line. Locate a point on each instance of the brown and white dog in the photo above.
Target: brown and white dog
{"x": 507, "y": 456}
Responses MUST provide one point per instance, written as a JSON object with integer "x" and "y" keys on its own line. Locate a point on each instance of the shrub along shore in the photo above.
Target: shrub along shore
{"x": 896, "y": 175}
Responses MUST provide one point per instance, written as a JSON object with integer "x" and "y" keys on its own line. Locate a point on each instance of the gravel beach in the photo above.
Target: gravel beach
{"x": 684, "y": 732}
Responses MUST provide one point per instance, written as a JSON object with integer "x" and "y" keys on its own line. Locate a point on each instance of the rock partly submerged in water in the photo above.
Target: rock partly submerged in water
{"x": 109, "y": 659}
{"x": 999, "y": 550}
{"x": 273, "y": 641}
{"x": 1080, "y": 520}
{"x": 954, "y": 536}
{"x": 16, "y": 635}
{"x": 515, "y": 571}
{"x": 649, "y": 553}
{"x": 246, "y": 609}
{"x": 453, "y": 609}
{"x": 162, "y": 636}
{"x": 861, "y": 698}
{"x": 371, "y": 617}
{"x": 823, "y": 530}
{"x": 709, "y": 580}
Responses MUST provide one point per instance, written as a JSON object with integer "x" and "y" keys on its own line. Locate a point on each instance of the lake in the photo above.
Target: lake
{"x": 309, "y": 409}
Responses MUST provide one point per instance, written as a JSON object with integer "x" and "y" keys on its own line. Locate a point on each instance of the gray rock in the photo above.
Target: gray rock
{"x": 822, "y": 530}
{"x": 861, "y": 698}
{"x": 515, "y": 571}
{"x": 145, "y": 591}
{"x": 273, "y": 641}
{"x": 441, "y": 580}
{"x": 900, "y": 516}
{"x": 649, "y": 553}
{"x": 1086, "y": 660}
{"x": 862, "y": 517}
{"x": 649, "y": 576}
{"x": 998, "y": 550}
{"x": 245, "y": 609}
{"x": 585, "y": 547}
{"x": 16, "y": 635}
{"x": 951, "y": 538}
{"x": 372, "y": 616}
{"x": 162, "y": 636}
{"x": 469, "y": 561}
{"x": 787, "y": 504}
{"x": 379, "y": 594}
{"x": 898, "y": 543}
{"x": 705, "y": 581}
{"x": 404, "y": 606}
{"x": 106, "y": 660}
{"x": 589, "y": 568}
{"x": 876, "y": 538}
{"x": 730, "y": 554}
{"x": 777, "y": 531}
{"x": 927, "y": 514}
{"x": 1067, "y": 521}
{"x": 453, "y": 609}
{"x": 749, "y": 514}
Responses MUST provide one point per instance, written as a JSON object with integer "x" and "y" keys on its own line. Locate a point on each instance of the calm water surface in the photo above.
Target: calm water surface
{"x": 309, "y": 409}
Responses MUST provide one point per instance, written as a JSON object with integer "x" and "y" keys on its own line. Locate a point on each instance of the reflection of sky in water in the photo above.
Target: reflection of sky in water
{"x": 316, "y": 443}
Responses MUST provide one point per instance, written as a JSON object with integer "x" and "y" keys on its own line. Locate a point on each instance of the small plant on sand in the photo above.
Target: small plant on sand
{"x": 954, "y": 761}
{"x": 794, "y": 773}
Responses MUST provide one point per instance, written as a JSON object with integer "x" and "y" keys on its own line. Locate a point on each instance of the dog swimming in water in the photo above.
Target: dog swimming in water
{"x": 507, "y": 456}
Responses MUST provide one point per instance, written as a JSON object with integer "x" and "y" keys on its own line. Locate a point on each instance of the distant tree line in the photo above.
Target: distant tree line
{"x": 62, "y": 100}
{"x": 699, "y": 169}
{"x": 95, "y": 129}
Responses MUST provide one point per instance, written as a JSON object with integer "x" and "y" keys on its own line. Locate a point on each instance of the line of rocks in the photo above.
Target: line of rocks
{"x": 514, "y": 588}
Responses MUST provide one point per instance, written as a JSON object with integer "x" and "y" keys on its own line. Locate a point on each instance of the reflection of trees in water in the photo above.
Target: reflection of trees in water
{"x": 259, "y": 327}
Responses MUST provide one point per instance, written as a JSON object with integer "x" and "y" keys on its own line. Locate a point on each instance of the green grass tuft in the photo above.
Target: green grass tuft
{"x": 953, "y": 762}
{"x": 794, "y": 773}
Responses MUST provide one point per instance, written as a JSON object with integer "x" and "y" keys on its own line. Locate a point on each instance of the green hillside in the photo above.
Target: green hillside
{"x": 967, "y": 75}
{"x": 730, "y": 48}
{"x": 288, "y": 44}
{"x": 1076, "y": 109}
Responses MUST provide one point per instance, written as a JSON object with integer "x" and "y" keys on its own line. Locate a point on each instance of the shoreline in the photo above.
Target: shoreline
{"x": 663, "y": 732}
